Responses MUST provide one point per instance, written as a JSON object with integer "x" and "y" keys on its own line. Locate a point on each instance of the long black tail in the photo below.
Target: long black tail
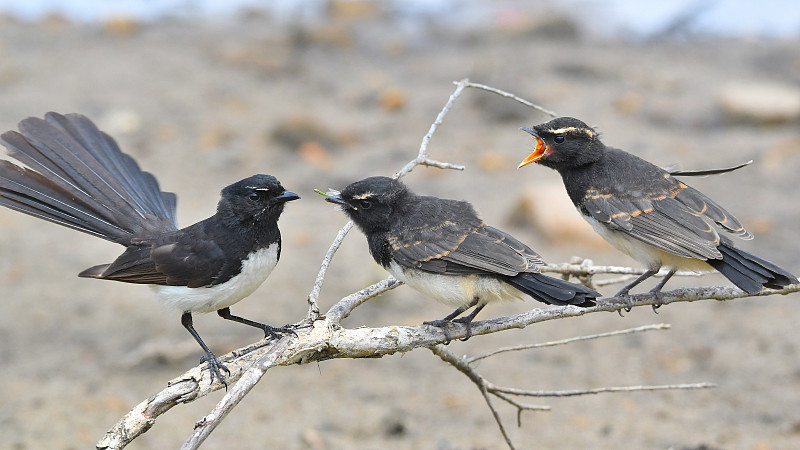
{"x": 76, "y": 176}
{"x": 750, "y": 272}
{"x": 553, "y": 291}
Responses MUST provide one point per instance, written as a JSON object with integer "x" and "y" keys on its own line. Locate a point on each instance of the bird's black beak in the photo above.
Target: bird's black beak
{"x": 540, "y": 150}
{"x": 287, "y": 196}
{"x": 336, "y": 198}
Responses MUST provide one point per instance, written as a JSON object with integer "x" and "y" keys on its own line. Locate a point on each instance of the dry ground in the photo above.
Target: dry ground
{"x": 199, "y": 104}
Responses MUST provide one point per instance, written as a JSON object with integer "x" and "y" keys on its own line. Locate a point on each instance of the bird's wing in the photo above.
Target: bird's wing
{"x": 669, "y": 217}
{"x": 459, "y": 249}
{"x": 488, "y": 249}
{"x": 178, "y": 259}
{"x": 423, "y": 247}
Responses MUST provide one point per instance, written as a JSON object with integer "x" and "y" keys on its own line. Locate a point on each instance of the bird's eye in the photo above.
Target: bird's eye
{"x": 254, "y": 196}
{"x": 559, "y": 139}
{"x": 365, "y": 204}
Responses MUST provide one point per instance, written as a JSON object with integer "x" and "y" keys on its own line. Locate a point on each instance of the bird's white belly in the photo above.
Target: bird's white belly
{"x": 255, "y": 270}
{"x": 455, "y": 290}
{"x": 646, "y": 254}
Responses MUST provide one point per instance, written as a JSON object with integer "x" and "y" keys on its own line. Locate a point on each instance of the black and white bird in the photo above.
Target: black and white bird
{"x": 645, "y": 212}
{"x": 442, "y": 249}
{"x": 76, "y": 176}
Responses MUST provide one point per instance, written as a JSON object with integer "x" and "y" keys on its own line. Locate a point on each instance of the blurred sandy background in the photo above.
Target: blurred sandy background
{"x": 319, "y": 103}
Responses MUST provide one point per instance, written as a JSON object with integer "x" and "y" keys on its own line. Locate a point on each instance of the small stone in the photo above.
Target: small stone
{"x": 493, "y": 161}
{"x": 393, "y": 99}
{"x": 294, "y": 131}
{"x": 314, "y": 153}
{"x": 761, "y": 102}
{"x": 121, "y": 26}
{"x": 628, "y": 103}
{"x": 121, "y": 122}
{"x": 214, "y": 137}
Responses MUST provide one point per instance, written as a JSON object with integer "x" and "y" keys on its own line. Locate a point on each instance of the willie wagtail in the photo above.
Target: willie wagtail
{"x": 76, "y": 176}
{"x": 444, "y": 250}
{"x": 645, "y": 212}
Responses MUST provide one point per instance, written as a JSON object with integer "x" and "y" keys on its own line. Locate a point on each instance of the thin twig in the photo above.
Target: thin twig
{"x": 313, "y": 307}
{"x": 660, "y": 326}
{"x": 583, "y": 270}
{"x": 576, "y": 392}
{"x": 611, "y": 281}
{"x": 508, "y": 95}
{"x": 422, "y": 156}
{"x": 345, "y": 306}
{"x": 204, "y": 427}
{"x": 496, "y": 416}
{"x": 461, "y": 365}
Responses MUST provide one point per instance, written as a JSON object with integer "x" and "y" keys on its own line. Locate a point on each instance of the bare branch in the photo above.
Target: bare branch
{"x": 313, "y": 307}
{"x": 345, "y": 306}
{"x": 422, "y": 157}
{"x": 496, "y": 416}
{"x": 584, "y": 270}
{"x": 576, "y": 392}
{"x": 462, "y": 364}
{"x": 508, "y": 95}
{"x": 660, "y": 326}
{"x": 208, "y": 423}
{"x": 323, "y": 340}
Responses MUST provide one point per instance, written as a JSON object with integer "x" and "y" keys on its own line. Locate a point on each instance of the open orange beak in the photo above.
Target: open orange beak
{"x": 537, "y": 153}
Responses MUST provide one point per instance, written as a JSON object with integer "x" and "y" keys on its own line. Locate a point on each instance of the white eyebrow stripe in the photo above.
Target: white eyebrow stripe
{"x": 364, "y": 196}
{"x": 567, "y": 130}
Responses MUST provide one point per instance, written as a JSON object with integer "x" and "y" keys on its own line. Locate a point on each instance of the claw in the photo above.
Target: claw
{"x": 441, "y": 324}
{"x": 659, "y": 301}
{"x": 625, "y": 296}
{"x": 270, "y": 331}
{"x": 468, "y": 322}
{"x": 214, "y": 367}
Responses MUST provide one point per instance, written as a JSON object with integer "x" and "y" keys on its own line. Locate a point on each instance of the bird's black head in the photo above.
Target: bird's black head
{"x": 254, "y": 199}
{"x": 564, "y": 143}
{"x": 369, "y": 203}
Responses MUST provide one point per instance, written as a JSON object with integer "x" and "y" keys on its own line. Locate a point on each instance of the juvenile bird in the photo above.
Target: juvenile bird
{"x": 645, "y": 212}
{"x": 77, "y": 176}
{"x": 442, "y": 249}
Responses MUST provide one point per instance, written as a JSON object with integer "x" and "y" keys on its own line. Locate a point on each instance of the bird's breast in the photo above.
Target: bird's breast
{"x": 651, "y": 257}
{"x": 454, "y": 290}
{"x": 254, "y": 270}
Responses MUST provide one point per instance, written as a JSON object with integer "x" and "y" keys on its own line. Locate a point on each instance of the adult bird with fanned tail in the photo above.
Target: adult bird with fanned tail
{"x": 442, "y": 249}
{"x": 645, "y": 212}
{"x": 77, "y": 176}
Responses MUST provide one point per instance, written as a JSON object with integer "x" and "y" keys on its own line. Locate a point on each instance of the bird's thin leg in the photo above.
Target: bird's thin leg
{"x": 624, "y": 291}
{"x": 442, "y": 323}
{"x": 214, "y": 365}
{"x": 467, "y": 320}
{"x": 657, "y": 290}
{"x": 268, "y": 330}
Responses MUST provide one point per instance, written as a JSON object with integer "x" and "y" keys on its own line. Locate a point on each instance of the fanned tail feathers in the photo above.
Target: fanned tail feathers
{"x": 76, "y": 176}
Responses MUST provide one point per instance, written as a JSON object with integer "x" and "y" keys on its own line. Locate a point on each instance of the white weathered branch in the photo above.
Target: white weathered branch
{"x": 325, "y": 340}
